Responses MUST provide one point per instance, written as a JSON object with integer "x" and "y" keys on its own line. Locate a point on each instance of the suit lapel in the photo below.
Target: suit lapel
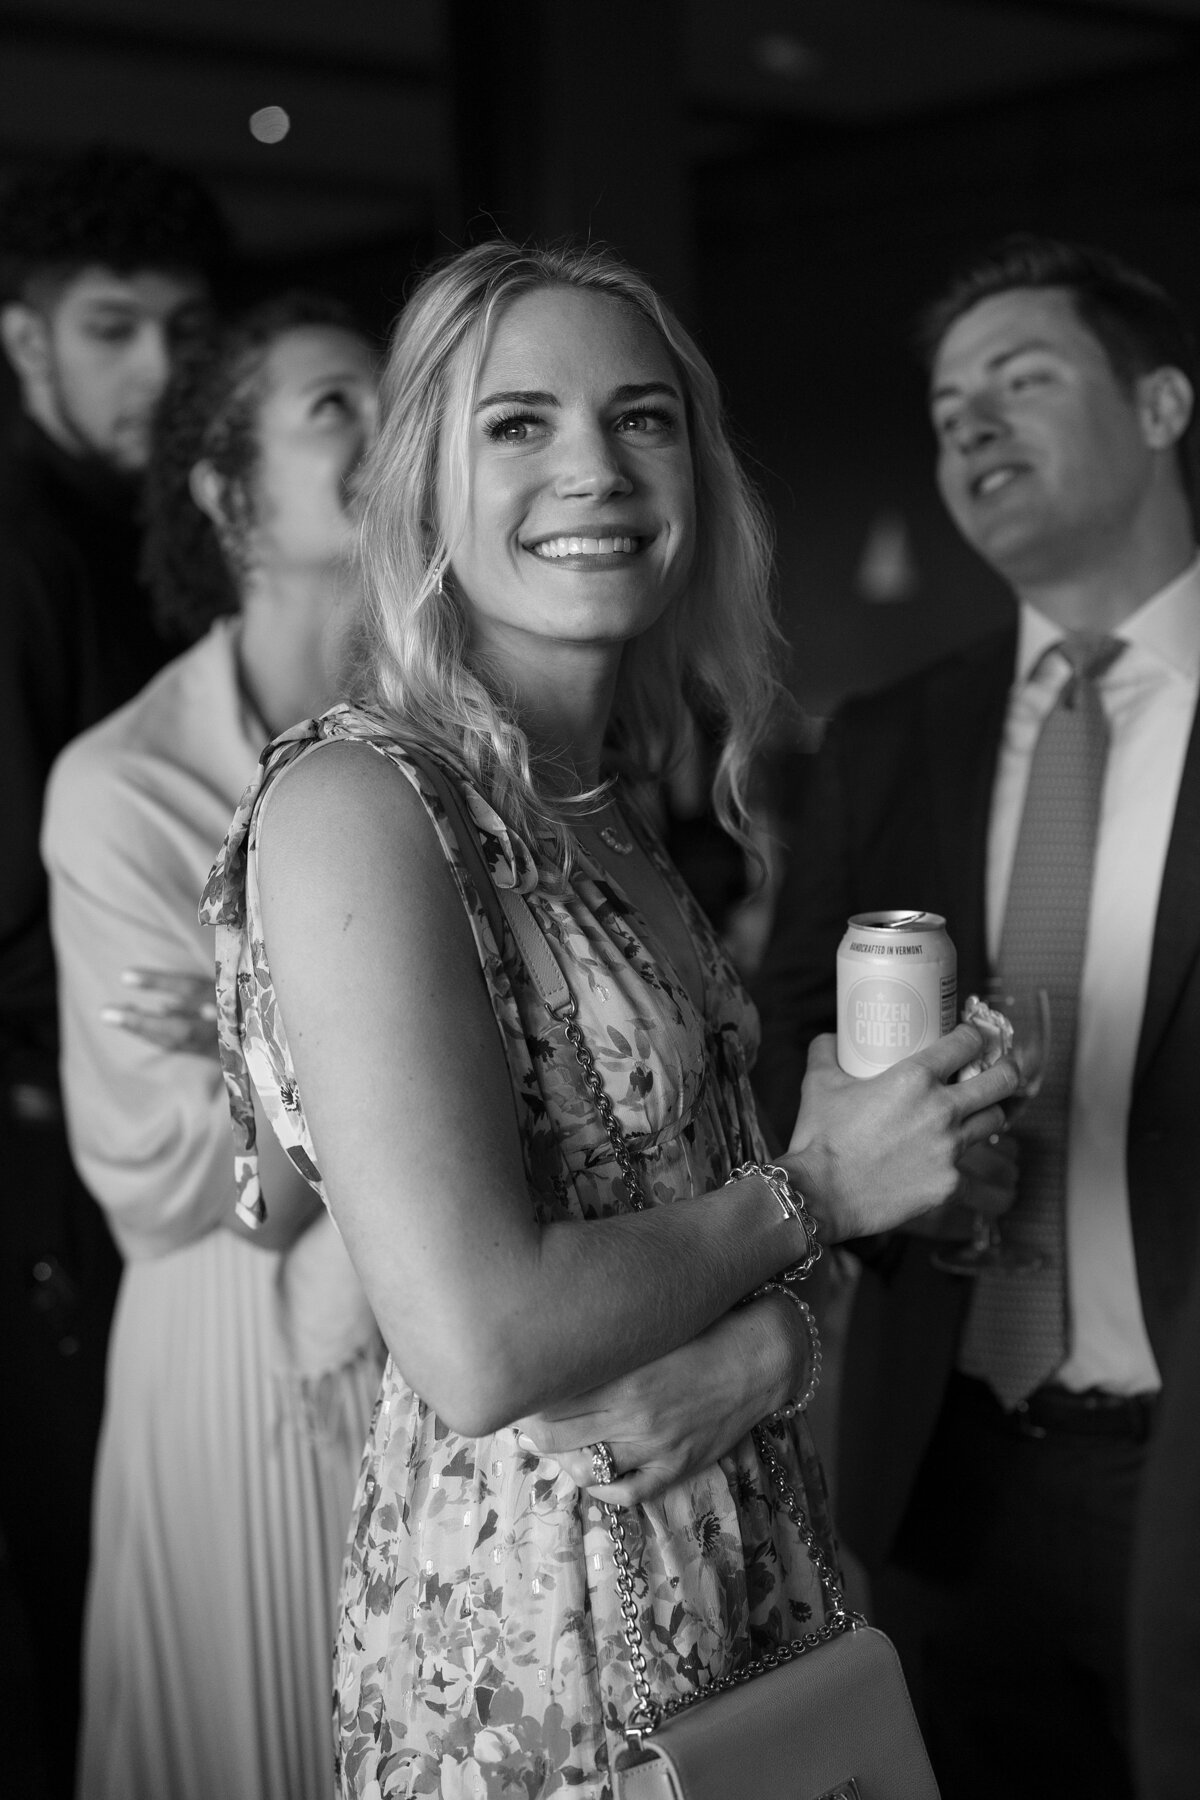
{"x": 1177, "y": 926}
{"x": 965, "y": 707}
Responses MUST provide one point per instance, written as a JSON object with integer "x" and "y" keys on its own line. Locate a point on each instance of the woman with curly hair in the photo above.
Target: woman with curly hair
{"x": 243, "y": 1367}
{"x": 578, "y": 1275}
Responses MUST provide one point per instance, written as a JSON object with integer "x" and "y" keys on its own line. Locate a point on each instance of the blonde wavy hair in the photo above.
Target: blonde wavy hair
{"x": 708, "y": 655}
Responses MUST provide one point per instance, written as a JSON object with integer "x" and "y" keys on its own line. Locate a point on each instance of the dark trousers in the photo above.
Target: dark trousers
{"x": 1007, "y": 1598}
{"x": 58, "y": 1278}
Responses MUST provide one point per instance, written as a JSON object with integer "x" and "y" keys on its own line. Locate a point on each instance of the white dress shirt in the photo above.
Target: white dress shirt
{"x": 1149, "y": 698}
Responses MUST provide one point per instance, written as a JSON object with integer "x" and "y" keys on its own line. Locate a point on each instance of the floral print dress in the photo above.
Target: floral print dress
{"x": 480, "y": 1649}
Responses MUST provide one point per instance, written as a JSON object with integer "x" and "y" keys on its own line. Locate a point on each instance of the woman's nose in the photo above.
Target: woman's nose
{"x": 592, "y": 467}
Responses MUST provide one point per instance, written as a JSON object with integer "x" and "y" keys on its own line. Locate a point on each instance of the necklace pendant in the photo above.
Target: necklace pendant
{"x": 617, "y": 844}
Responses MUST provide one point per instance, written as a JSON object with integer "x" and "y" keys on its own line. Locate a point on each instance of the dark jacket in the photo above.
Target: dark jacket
{"x": 898, "y": 816}
{"x": 76, "y": 641}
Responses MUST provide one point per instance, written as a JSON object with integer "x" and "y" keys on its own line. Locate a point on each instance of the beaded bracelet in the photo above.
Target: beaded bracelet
{"x": 800, "y": 1403}
{"x": 791, "y": 1201}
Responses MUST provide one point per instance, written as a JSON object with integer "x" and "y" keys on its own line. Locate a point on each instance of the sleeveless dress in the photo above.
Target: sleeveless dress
{"x": 480, "y": 1649}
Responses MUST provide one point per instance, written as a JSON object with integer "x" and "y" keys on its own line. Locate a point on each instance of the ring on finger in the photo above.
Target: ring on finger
{"x": 604, "y": 1469}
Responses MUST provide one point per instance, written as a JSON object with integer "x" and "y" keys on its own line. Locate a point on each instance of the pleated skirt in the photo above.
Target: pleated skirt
{"x": 221, "y": 1509}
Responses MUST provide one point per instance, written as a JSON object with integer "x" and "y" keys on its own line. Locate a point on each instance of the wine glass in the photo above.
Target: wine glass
{"x": 1028, "y": 1012}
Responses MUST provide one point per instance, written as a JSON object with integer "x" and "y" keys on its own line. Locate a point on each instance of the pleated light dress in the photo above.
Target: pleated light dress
{"x": 241, "y": 1381}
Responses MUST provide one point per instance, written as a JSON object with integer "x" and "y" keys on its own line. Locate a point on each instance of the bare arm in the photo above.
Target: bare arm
{"x": 684, "y": 1410}
{"x": 490, "y": 1316}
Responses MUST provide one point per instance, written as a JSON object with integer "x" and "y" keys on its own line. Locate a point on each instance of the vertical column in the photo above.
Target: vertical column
{"x": 570, "y": 120}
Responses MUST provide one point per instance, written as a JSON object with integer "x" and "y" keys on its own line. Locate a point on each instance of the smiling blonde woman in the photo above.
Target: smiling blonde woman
{"x": 561, "y": 554}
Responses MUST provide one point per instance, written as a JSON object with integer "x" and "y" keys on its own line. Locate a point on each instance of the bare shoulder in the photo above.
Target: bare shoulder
{"x": 348, "y": 855}
{"x": 344, "y": 802}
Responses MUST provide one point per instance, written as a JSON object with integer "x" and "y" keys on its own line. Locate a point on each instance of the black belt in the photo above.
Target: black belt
{"x": 1059, "y": 1412}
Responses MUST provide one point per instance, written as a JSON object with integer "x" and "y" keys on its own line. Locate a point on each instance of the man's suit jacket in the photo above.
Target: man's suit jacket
{"x": 898, "y": 817}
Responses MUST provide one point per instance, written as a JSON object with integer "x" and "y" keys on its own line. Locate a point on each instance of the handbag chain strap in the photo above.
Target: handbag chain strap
{"x": 608, "y": 1118}
{"x": 648, "y": 1714}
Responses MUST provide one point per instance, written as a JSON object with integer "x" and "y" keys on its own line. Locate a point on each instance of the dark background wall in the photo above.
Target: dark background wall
{"x": 799, "y": 176}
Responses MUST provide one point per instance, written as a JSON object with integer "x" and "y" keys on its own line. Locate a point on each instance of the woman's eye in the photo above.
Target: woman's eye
{"x": 1025, "y": 378}
{"x": 513, "y": 428}
{"x": 646, "y": 421}
{"x": 335, "y": 401}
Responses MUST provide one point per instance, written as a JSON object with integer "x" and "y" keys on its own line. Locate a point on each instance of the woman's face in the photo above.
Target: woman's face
{"x": 580, "y": 519}
{"x": 316, "y": 422}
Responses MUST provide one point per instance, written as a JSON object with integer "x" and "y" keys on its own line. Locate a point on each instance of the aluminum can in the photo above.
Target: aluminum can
{"x": 896, "y": 988}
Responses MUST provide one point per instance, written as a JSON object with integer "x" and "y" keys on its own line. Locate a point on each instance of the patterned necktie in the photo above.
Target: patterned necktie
{"x": 1017, "y": 1328}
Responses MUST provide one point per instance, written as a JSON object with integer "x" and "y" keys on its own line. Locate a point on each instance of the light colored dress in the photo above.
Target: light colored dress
{"x": 480, "y": 1650}
{"x": 240, "y": 1380}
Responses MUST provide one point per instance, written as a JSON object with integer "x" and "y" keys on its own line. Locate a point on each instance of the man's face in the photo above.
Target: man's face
{"x": 1043, "y": 460}
{"x": 99, "y": 355}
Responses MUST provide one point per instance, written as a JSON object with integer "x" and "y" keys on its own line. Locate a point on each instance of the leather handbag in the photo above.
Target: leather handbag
{"x": 826, "y": 1716}
{"x": 837, "y": 1726}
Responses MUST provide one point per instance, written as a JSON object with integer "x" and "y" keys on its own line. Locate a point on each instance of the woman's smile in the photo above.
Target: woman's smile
{"x": 607, "y": 552}
{"x": 579, "y": 465}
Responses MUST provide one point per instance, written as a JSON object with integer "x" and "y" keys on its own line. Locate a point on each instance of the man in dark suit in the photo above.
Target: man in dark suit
{"x": 993, "y": 1509}
{"x": 1165, "y": 1635}
{"x": 105, "y": 261}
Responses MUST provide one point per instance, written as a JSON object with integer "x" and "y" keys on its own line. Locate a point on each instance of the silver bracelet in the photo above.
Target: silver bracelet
{"x": 791, "y": 1201}
{"x": 800, "y": 1403}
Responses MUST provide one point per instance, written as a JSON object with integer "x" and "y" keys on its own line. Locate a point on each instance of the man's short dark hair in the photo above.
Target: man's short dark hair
{"x": 1136, "y": 323}
{"x": 112, "y": 208}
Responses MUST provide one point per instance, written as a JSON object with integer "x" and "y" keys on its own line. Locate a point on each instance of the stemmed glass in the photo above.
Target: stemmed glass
{"x": 1028, "y": 1011}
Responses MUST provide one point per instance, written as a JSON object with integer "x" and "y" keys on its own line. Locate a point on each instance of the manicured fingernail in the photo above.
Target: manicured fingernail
{"x": 527, "y": 1443}
{"x": 112, "y": 1015}
{"x": 995, "y": 1138}
{"x": 131, "y": 977}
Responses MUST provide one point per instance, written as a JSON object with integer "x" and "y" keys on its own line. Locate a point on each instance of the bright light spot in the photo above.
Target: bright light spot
{"x": 270, "y": 124}
{"x": 779, "y": 53}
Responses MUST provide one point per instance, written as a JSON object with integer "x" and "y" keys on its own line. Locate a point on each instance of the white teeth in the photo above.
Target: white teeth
{"x": 995, "y": 478}
{"x": 553, "y": 548}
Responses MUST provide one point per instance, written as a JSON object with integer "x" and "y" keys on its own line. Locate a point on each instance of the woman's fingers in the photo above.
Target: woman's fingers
{"x": 195, "y": 993}
{"x": 630, "y": 1487}
{"x": 575, "y": 1461}
{"x": 978, "y": 1127}
{"x": 989, "y": 1172}
{"x": 988, "y": 1088}
{"x": 947, "y": 1055}
{"x": 179, "y": 1014}
{"x": 822, "y": 1053}
{"x": 634, "y": 1488}
{"x": 178, "y": 1031}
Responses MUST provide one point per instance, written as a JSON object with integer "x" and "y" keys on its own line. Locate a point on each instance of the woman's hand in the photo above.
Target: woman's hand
{"x": 871, "y": 1155}
{"x": 180, "y": 1012}
{"x": 684, "y": 1410}
{"x": 988, "y": 1185}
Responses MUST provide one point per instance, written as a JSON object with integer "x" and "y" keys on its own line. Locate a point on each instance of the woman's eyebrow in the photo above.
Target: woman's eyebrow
{"x": 633, "y": 390}
{"x": 517, "y": 397}
{"x": 638, "y": 390}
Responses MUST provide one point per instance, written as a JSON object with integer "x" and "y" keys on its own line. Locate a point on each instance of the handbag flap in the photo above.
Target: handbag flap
{"x": 834, "y": 1722}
